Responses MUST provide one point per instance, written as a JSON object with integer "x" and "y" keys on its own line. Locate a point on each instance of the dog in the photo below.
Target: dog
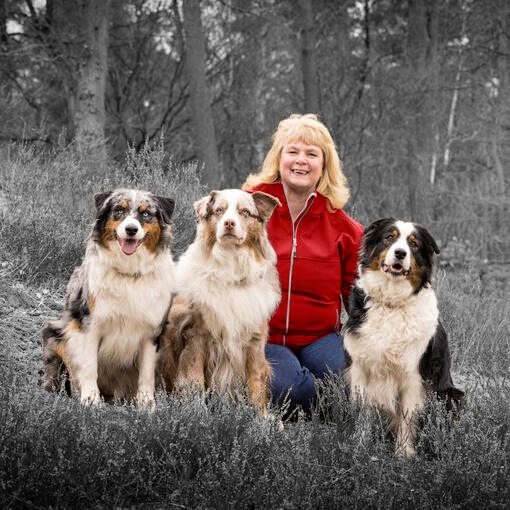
{"x": 227, "y": 290}
{"x": 396, "y": 348}
{"x": 117, "y": 302}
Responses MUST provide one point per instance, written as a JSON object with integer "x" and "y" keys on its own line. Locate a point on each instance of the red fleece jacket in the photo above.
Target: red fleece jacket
{"x": 317, "y": 264}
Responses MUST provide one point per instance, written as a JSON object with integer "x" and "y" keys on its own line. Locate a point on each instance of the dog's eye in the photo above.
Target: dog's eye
{"x": 245, "y": 212}
{"x": 145, "y": 214}
{"x": 218, "y": 210}
{"x": 389, "y": 237}
{"x": 118, "y": 212}
{"x": 412, "y": 242}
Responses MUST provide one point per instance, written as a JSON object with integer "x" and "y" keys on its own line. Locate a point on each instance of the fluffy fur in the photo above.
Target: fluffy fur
{"x": 397, "y": 348}
{"x": 117, "y": 302}
{"x": 228, "y": 288}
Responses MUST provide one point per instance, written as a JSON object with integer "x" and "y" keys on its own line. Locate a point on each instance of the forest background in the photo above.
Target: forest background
{"x": 416, "y": 95}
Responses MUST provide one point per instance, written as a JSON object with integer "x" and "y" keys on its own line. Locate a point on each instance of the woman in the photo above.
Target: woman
{"x": 317, "y": 248}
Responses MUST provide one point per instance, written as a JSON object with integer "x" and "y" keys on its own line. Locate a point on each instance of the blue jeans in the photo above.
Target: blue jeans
{"x": 294, "y": 374}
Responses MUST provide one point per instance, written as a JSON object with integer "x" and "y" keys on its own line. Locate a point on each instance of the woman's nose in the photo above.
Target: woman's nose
{"x": 301, "y": 157}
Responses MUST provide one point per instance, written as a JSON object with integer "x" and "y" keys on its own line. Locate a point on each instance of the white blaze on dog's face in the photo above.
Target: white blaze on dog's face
{"x": 232, "y": 211}
{"x": 130, "y": 235}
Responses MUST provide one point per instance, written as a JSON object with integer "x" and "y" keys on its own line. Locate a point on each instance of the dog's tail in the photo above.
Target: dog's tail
{"x": 55, "y": 370}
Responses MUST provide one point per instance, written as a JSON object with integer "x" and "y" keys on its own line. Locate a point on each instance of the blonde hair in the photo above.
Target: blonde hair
{"x": 309, "y": 130}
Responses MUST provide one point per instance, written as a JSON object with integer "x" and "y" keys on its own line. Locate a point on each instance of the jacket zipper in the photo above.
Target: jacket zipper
{"x": 295, "y": 226}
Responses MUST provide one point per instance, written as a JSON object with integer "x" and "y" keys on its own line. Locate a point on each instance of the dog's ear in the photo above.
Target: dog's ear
{"x": 166, "y": 206}
{"x": 428, "y": 240}
{"x": 100, "y": 201}
{"x": 431, "y": 242}
{"x": 203, "y": 206}
{"x": 265, "y": 204}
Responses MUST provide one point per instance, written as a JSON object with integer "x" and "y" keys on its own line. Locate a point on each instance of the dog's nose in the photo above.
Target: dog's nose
{"x": 230, "y": 224}
{"x": 400, "y": 254}
{"x": 131, "y": 230}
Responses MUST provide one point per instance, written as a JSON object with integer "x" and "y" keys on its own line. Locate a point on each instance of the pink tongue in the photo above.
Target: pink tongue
{"x": 128, "y": 246}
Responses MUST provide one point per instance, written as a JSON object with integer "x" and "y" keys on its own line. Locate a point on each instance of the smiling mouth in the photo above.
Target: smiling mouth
{"x": 129, "y": 246}
{"x": 300, "y": 172}
{"x": 395, "y": 269}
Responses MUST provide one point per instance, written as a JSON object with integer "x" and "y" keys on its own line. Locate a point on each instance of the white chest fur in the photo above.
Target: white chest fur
{"x": 129, "y": 309}
{"x": 393, "y": 338}
{"x": 235, "y": 293}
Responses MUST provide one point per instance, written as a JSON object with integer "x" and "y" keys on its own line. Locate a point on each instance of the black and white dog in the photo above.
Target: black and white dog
{"x": 117, "y": 302}
{"x": 397, "y": 349}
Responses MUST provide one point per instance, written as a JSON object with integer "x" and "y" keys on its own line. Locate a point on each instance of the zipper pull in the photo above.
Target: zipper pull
{"x": 294, "y": 247}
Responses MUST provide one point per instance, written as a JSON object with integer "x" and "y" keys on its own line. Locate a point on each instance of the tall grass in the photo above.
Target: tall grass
{"x": 190, "y": 453}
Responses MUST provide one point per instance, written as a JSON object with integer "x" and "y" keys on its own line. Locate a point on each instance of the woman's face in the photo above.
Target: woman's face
{"x": 301, "y": 166}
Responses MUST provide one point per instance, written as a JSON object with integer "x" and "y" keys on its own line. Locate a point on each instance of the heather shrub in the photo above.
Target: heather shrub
{"x": 48, "y": 206}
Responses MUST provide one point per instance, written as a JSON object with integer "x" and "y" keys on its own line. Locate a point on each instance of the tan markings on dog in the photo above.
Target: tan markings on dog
{"x": 415, "y": 276}
{"x": 180, "y": 318}
{"x": 376, "y": 262}
{"x": 72, "y": 327}
{"x": 192, "y": 364}
{"x": 253, "y": 241}
{"x": 91, "y": 300}
{"x": 109, "y": 232}
{"x": 152, "y": 235}
{"x": 210, "y": 236}
{"x": 60, "y": 350}
{"x": 124, "y": 204}
{"x": 142, "y": 208}
{"x": 258, "y": 374}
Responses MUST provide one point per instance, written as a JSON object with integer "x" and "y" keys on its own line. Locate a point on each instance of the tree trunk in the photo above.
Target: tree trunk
{"x": 90, "y": 95}
{"x": 421, "y": 52}
{"x": 3, "y": 22}
{"x": 309, "y": 58}
{"x": 500, "y": 98}
{"x": 201, "y": 111}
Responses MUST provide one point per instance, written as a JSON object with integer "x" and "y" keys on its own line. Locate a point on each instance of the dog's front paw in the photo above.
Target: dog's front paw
{"x": 146, "y": 400}
{"x": 405, "y": 450}
{"x": 90, "y": 396}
